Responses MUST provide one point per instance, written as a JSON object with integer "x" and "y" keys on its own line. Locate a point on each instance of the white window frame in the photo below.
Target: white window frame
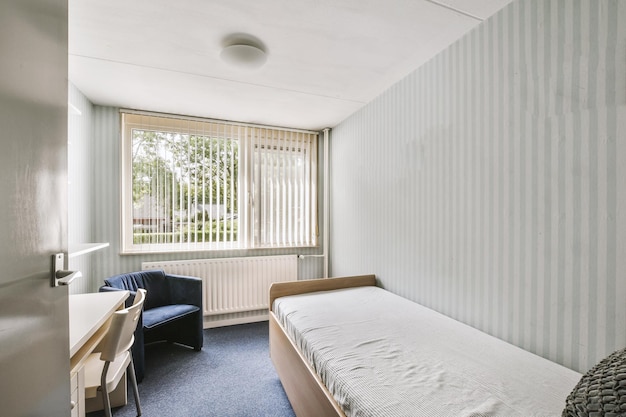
{"x": 251, "y": 138}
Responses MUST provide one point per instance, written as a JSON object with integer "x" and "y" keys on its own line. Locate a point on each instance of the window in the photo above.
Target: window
{"x": 193, "y": 184}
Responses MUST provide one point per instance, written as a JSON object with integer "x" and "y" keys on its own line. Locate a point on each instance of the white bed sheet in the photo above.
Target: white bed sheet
{"x": 381, "y": 355}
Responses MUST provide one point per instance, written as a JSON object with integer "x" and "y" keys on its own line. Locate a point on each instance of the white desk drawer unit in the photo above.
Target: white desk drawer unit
{"x": 77, "y": 387}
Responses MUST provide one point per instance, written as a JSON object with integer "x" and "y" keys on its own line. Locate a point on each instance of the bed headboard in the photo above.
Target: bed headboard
{"x": 281, "y": 289}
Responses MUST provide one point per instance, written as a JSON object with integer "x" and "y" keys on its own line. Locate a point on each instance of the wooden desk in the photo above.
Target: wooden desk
{"x": 89, "y": 315}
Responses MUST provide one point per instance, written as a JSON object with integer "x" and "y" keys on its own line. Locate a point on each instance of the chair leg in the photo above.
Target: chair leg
{"x": 133, "y": 380}
{"x": 106, "y": 402}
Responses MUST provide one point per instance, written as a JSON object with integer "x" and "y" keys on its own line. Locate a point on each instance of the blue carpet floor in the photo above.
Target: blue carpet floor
{"x": 232, "y": 376}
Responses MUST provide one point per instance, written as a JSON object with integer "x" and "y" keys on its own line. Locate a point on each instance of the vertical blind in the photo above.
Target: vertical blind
{"x": 194, "y": 184}
{"x": 283, "y": 181}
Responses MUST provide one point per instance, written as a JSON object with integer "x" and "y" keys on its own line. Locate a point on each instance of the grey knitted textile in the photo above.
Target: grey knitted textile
{"x": 601, "y": 392}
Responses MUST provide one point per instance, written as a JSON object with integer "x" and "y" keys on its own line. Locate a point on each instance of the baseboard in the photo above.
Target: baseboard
{"x": 225, "y": 320}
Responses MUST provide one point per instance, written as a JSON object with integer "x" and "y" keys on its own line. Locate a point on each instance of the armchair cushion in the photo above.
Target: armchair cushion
{"x": 158, "y": 316}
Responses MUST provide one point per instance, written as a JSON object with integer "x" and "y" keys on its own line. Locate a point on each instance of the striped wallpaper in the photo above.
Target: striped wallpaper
{"x": 489, "y": 184}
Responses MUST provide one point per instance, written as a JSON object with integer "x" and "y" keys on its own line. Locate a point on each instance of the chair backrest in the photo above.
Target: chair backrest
{"x": 119, "y": 337}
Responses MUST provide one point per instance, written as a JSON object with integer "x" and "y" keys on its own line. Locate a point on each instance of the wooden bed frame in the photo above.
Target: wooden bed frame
{"x": 306, "y": 392}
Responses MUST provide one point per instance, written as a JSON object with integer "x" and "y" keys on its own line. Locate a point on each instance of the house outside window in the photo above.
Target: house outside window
{"x": 195, "y": 184}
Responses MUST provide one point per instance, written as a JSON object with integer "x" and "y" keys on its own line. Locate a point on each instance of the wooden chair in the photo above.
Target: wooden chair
{"x": 105, "y": 369}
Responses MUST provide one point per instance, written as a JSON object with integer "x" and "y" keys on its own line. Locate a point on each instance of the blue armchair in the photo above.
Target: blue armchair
{"x": 172, "y": 310}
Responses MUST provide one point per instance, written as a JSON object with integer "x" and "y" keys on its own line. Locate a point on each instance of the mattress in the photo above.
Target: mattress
{"x": 382, "y": 355}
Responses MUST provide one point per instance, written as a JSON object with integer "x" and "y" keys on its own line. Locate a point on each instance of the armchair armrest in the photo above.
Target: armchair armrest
{"x": 185, "y": 290}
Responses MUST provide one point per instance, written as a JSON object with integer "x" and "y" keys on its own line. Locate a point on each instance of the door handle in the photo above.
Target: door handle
{"x": 66, "y": 277}
{"x": 59, "y": 275}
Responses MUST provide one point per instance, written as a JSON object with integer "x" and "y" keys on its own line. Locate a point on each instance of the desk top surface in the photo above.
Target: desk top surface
{"x": 88, "y": 312}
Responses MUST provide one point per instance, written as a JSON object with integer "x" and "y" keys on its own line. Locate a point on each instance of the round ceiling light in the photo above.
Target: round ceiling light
{"x": 244, "y": 56}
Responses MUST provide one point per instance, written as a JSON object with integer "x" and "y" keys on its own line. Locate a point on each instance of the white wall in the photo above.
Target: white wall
{"x": 489, "y": 184}
{"x": 80, "y": 187}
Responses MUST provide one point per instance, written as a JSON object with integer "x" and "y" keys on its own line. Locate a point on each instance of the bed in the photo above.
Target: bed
{"x": 345, "y": 347}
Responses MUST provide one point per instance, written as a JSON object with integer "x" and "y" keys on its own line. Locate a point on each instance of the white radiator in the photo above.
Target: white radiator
{"x": 234, "y": 285}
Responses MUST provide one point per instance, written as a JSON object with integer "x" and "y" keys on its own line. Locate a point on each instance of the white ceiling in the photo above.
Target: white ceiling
{"x": 326, "y": 58}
